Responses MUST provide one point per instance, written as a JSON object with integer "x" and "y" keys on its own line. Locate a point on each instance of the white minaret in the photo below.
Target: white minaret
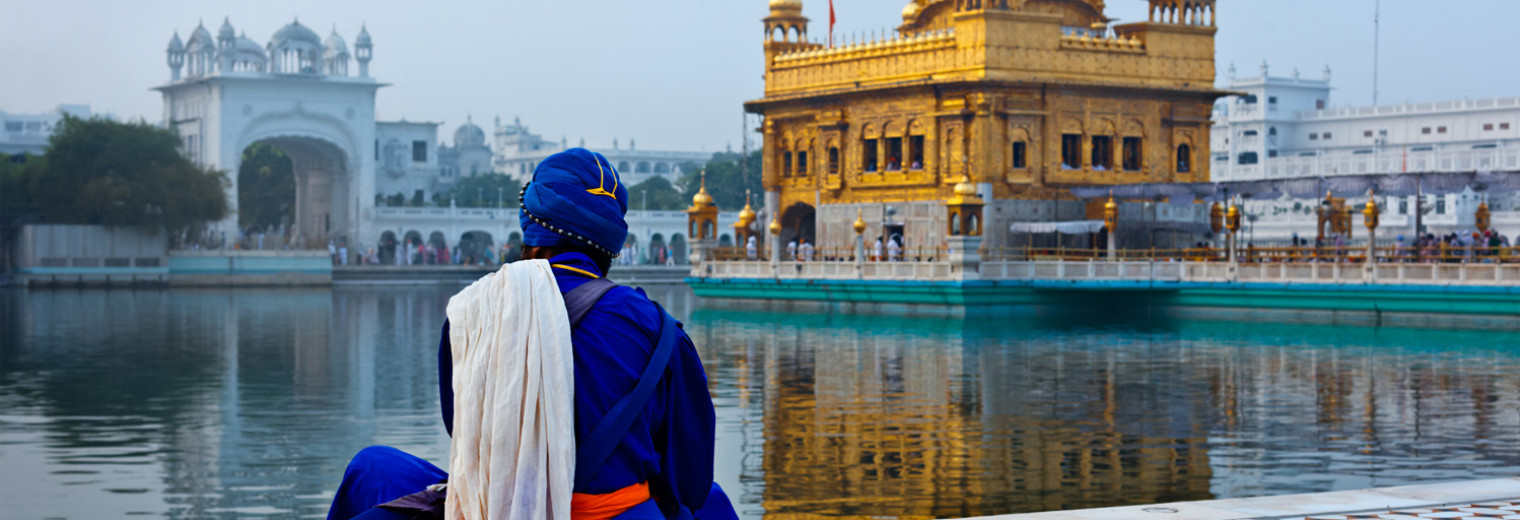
{"x": 176, "y": 54}
{"x": 363, "y": 50}
{"x": 225, "y": 39}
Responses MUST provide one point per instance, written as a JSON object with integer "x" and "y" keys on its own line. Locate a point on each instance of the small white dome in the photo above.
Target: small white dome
{"x": 226, "y": 32}
{"x": 245, "y": 45}
{"x": 200, "y": 40}
{"x": 175, "y": 45}
{"x": 363, "y": 38}
{"x": 335, "y": 45}
{"x": 295, "y": 33}
{"x": 469, "y": 135}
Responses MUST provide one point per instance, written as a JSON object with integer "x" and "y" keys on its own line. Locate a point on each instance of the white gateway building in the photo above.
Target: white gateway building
{"x": 314, "y": 99}
{"x": 1284, "y": 128}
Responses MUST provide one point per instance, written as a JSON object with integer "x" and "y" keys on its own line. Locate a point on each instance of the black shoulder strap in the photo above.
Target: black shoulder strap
{"x": 580, "y": 300}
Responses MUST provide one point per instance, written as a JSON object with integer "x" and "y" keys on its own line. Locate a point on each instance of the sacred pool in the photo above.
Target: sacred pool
{"x": 202, "y": 403}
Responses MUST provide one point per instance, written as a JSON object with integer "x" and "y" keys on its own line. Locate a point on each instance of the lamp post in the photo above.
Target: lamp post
{"x": 1370, "y": 218}
{"x": 1111, "y": 222}
{"x": 1232, "y": 222}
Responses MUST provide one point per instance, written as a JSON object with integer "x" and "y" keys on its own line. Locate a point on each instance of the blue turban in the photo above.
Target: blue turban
{"x": 575, "y": 198}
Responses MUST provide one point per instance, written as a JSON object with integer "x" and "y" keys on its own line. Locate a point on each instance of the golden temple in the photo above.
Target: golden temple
{"x": 1023, "y": 98}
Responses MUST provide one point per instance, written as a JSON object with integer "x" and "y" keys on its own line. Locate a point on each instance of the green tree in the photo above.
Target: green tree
{"x": 655, "y": 194}
{"x": 17, "y": 173}
{"x": 266, "y": 188}
{"x": 727, "y": 180}
{"x": 99, "y": 171}
{"x": 484, "y": 191}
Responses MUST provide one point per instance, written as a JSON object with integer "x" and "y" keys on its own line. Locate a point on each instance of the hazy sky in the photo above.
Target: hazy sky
{"x": 673, "y": 73}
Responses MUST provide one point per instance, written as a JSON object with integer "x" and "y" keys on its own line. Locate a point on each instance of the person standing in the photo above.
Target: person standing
{"x": 791, "y": 250}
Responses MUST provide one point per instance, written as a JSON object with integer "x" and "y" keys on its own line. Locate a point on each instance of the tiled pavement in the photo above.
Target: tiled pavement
{"x": 1509, "y": 510}
{"x": 1471, "y": 499}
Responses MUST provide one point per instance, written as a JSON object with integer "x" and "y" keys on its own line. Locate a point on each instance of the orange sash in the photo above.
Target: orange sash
{"x": 603, "y": 507}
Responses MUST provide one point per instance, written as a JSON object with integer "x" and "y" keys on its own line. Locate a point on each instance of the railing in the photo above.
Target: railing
{"x": 1386, "y": 162}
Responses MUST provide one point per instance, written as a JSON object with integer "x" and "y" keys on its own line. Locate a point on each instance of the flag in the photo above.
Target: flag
{"x": 831, "y": 24}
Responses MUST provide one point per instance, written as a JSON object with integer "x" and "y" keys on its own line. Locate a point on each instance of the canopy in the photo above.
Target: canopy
{"x": 1076, "y": 227}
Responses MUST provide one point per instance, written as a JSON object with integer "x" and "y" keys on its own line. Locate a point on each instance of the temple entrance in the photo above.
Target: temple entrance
{"x": 799, "y": 222}
{"x": 300, "y": 184}
{"x": 387, "y": 248}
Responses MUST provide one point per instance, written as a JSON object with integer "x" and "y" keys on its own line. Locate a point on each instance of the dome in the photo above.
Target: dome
{"x": 786, "y": 5}
{"x": 363, "y": 38}
{"x": 469, "y": 135}
{"x": 200, "y": 40}
{"x": 246, "y": 46}
{"x": 175, "y": 45}
{"x": 226, "y": 32}
{"x": 702, "y": 199}
{"x": 335, "y": 44}
{"x": 295, "y": 33}
{"x": 910, "y": 12}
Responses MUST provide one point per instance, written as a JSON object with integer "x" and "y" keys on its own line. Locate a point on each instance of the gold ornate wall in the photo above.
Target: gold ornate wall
{"x": 1026, "y": 96}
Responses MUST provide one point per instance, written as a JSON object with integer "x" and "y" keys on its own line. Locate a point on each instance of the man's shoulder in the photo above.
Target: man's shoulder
{"x": 631, "y": 304}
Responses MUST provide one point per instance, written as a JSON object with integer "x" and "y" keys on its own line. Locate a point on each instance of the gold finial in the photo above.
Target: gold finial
{"x": 964, "y": 193}
{"x": 702, "y": 198}
{"x": 775, "y": 227}
{"x": 860, "y": 221}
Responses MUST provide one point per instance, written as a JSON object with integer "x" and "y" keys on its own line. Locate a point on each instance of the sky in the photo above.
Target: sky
{"x": 673, "y": 74}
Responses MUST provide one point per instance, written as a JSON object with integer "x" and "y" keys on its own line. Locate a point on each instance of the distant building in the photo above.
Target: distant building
{"x": 29, "y": 133}
{"x": 1286, "y": 128}
{"x": 519, "y": 151}
{"x": 470, "y": 155}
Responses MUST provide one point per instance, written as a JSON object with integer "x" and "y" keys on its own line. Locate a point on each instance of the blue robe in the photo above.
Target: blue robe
{"x": 670, "y": 445}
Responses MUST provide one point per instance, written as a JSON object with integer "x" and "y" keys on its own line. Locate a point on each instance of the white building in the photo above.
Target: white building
{"x": 298, "y": 93}
{"x": 519, "y": 151}
{"x": 1286, "y": 128}
{"x": 29, "y": 133}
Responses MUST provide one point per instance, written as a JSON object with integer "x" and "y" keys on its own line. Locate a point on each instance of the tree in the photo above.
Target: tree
{"x": 486, "y": 191}
{"x": 266, "y": 188}
{"x": 16, "y": 175}
{"x": 99, "y": 171}
{"x": 655, "y": 194}
{"x": 727, "y": 182}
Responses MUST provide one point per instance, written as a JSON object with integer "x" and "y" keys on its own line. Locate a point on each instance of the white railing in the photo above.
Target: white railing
{"x": 1144, "y": 272}
{"x": 1386, "y": 162}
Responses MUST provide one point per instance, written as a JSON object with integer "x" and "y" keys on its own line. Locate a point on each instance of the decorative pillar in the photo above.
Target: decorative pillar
{"x": 860, "y": 243}
{"x": 702, "y": 226}
{"x": 775, "y": 248}
{"x": 1232, "y": 221}
{"x": 964, "y": 209}
{"x": 1370, "y": 218}
{"x": 1216, "y": 221}
{"x": 1111, "y": 223}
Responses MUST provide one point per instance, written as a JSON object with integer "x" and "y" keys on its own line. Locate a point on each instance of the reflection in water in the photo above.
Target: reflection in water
{"x": 235, "y": 403}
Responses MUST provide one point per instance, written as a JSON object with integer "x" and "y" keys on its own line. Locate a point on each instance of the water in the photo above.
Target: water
{"x": 197, "y": 404}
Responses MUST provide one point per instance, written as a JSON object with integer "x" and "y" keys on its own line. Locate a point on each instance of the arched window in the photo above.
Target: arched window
{"x": 1184, "y": 159}
{"x": 623, "y": 166}
{"x": 662, "y": 168}
{"x": 833, "y": 159}
{"x": 642, "y": 168}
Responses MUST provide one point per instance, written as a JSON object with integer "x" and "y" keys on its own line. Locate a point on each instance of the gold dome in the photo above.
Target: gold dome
{"x": 786, "y": 5}
{"x": 860, "y": 222}
{"x": 910, "y": 12}
{"x": 747, "y": 215}
{"x": 965, "y": 193}
{"x": 702, "y": 199}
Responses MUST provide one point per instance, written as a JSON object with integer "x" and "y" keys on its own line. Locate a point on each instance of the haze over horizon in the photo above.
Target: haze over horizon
{"x": 673, "y": 75}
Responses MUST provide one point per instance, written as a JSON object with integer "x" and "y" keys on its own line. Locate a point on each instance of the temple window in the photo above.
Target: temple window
{"x": 419, "y": 151}
{"x": 894, "y": 154}
{"x": 916, "y": 152}
{"x": 1071, "y": 152}
{"x": 1020, "y": 155}
{"x": 1133, "y": 151}
{"x": 1184, "y": 159}
{"x": 786, "y": 164}
{"x": 833, "y": 159}
{"x": 802, "y": 164}
{"x": 1102, "y": 153}
{"x": 868, "y": 155}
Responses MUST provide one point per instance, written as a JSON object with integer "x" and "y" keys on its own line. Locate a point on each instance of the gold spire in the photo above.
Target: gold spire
{"x": 775, "y": 227}
{"x": 746, "y": 215}
{"x": 860, "y": 221}
{"x": 702, "y": 198}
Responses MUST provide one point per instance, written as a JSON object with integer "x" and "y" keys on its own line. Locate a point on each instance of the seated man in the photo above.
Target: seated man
{"x": 573, "y": 216}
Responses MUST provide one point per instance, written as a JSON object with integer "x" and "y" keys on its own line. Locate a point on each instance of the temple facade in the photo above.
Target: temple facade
{"x": 1022, "y": 99}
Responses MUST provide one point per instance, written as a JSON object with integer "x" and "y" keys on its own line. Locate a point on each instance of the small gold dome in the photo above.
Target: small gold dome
{"x": 702, "y": 198}
{"x": 776, "y": 227}
{"x": 747, "y": 215}
{"x": 786, "y": 5}
{"x": 910, "y": 12}
{"x": 860, "y": 222}
{"x": 965, "y": 193}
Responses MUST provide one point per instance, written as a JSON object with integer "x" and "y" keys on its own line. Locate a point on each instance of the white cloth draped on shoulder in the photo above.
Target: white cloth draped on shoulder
{"x": 513, "y": 450}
